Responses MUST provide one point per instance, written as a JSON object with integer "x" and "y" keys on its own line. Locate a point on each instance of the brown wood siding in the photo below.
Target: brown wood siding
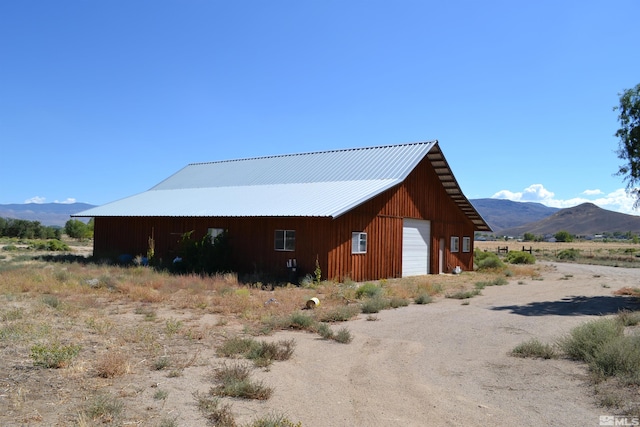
{"x": 420, "y": 196}
{"x": 251, "y": 240}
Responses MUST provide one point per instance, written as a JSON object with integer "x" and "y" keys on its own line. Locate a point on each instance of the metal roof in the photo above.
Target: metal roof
{"x": 322, "y": 184}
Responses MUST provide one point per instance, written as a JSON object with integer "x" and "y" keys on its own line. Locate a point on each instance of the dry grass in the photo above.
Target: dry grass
{"x": 613, "y": 253}
{"x": 112, "y": 364}
{"x": 136, "y": 326}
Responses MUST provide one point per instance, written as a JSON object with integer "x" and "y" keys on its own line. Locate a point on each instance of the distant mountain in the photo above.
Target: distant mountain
{"x": 503, "y": 214}
{"x": 584, "y": 219}
{"x": 51, "y": 214}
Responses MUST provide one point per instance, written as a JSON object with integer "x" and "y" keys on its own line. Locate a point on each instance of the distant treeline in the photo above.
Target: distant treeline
{"x": 25, "y": 229}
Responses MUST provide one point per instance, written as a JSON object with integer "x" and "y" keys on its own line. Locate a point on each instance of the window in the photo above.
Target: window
{"x": 358, "y": 242}
{"x": 455, "y": 244}
{"x": 466, "y": 244}
{"x": 214, "y": 232}
{"x": 285, "y": 240}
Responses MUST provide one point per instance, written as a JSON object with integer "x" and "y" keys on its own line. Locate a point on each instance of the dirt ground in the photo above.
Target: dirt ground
{"x": 440, "y": 364}
{"x": 447, "y": 363}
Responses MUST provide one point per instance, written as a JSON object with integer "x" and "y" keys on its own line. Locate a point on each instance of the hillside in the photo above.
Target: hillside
{"x": 51, "y": 214}
{"x": 503, "y": 214}
{"x": 584, "y": 219}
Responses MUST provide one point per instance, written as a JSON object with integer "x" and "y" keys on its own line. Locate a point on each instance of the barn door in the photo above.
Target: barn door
{"x": 416, "y": 234}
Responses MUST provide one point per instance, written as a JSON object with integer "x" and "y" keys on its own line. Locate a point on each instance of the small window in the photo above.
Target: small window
{"x": 214, "y": 232}
{"x": 455, "y": 244}
{"x": 285, "y": 240}
{"x": 466, "y": 244}
{"x": 358, "y": 242}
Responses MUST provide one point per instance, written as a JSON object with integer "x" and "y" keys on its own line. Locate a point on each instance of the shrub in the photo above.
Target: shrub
{"x": 620, "y": 357}
{"x": 520, "y": 257}
{"x": 568, "y": 254}
{"x": 487, "y": 261}
{"x": 534, "y": 348}
{"x": 234, "y": 381}
{"x": 374, "y": 305}
{"x": 54, "y": 355}
{"x": 265, "y": 353}
{"x": 214, "y": 411}
{"x": 343, "y": 336}
{"x": 104, "y": 408}
{"x": 368, "y": 290}
{"x": 300, "y": 321}
{"x": 396, "y": 302}
{"x": 423, "y": 298}
{"x": 325, "y": 331}
{"x": 629, "y": 318}
{"x": 51, "y": 300}
{"x": 583, "y": 341}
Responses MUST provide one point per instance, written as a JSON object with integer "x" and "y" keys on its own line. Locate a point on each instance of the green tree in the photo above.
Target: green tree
{"x": 629, "y": 144}
{"x": 529, "y": 237}
{"x": 76, "y": 229}
{"x": 563, "y": 236}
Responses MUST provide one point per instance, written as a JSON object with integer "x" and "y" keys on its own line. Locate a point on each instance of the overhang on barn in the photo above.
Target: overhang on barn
{"x": 364, "y": 213}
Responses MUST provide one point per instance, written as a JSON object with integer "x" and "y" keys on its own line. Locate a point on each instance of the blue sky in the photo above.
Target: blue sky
{"x": 100, "y": 100}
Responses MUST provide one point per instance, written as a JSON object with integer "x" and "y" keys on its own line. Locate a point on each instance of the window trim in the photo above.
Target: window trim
{"x": 288, "y": 236}
{"x": 455, "y": 244}
{"x": 466, "y": 244}
{"x": 357, "y": 238}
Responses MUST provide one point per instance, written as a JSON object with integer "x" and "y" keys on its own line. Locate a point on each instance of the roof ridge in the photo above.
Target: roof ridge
{"x": 339, "y": 150}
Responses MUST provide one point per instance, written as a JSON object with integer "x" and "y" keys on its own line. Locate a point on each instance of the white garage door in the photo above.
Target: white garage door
{"x": 415, "y": 247}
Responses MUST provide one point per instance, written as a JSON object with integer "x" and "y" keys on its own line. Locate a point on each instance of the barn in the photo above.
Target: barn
{"x": 363, "y": 214}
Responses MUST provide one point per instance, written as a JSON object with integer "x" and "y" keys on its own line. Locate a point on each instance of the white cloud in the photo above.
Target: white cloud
{"x": 36, "y": 199}
{"x": 69, "y": 200}
{"x": 533, "y": 193}
{"x": 617, "y": 201}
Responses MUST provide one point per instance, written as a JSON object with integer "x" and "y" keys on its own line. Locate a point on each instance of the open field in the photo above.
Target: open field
{"x": 86, "y": 344}
{"x": 614, "y": 253}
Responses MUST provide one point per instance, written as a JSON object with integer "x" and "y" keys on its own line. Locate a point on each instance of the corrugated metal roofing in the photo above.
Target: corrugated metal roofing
{"x": 360, "y": 164}
{"x": 324, "y": 184}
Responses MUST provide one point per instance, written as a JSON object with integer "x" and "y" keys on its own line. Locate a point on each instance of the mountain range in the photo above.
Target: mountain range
{"x": 508, "y": 218}
{"x": 505, "y": 217}
{"x": 50, "y": 214}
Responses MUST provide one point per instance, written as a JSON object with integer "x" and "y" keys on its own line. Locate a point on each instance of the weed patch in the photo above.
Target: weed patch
{"x": 464, "y": 294}
{"x": 54, "y": 355}
{"x": 214, "y": 411}
{"x": 112, "y": 364}
{"x": 274, "y": 420}
{"x": 534, "y": 349}
{"x": 104, "y": 409}
{"x": 234, "y": 381}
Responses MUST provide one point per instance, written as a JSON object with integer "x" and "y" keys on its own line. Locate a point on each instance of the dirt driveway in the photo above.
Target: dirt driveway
{"x": 447, "y": 363}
